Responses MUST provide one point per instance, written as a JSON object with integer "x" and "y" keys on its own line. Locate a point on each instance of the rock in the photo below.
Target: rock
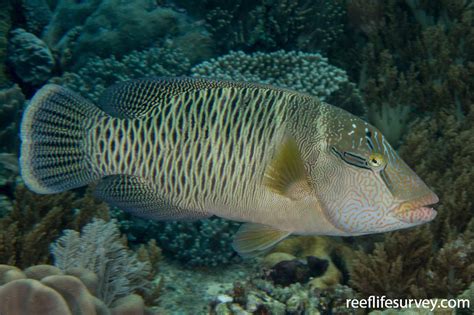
{"x": 274, "y": 258}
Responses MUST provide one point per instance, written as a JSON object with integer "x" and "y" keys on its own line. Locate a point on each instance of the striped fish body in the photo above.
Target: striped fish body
{"x": 182, "y": 148}
{"x": 191, "y": 148}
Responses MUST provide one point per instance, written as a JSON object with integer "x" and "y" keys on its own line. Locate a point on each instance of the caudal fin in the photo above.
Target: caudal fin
{"x": 54, "y": 149}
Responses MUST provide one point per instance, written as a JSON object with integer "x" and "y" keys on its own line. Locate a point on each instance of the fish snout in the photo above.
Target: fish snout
{"x": 418, "y": 211}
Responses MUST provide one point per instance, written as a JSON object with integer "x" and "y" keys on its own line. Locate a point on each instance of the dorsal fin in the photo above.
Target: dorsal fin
{"x": 135, "y": 98}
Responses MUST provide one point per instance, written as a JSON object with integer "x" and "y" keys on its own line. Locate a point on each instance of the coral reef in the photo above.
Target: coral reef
{"x": 44, "y": 289}
{"x": 258, "y": 296}
{"x": 124, "y": 27}
{"x": 304, "y": 72}
{"x": 12, "y": 101}
{"x": 441, "y": 151}
{"x": 5, "y": 24}
{"x": 98, "y": 74}
{"x": 30, "y": 58}
{"x": 415, "y": 53}
{"x": 201, "y": 243}
{"x": 37, "y": 14}
{"x": 404, "y": 266}
{"x": 36, "y": 220}
{"x": 99, "y": 249}
{"x": 270, "y": 25}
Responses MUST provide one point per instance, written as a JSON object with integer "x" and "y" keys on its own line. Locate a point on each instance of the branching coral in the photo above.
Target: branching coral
{"x": 441, "y": 151}
{"x": 304, "y": 72}
{"x": 35, "y": 221}
{"x": 269, "y": 25}
{"x": 415, "y": 53}
{"x": 12, "y": 101}
{"x": 5, "y": 24}
{"x": 201, "y": 243}
{"x": 404, "y": 266}
{"x": 98, "y": 74}
{"x": 394, "y": 266}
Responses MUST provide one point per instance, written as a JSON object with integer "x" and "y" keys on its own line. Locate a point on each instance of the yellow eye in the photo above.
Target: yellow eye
{"x": 376, "y": 160}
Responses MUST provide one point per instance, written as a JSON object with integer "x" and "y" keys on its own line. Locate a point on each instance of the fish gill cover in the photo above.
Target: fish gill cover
{"x": 406, "y": 66}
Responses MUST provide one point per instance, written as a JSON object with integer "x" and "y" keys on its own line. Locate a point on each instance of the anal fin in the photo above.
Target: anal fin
{"x": 138, "y": 197}
{"x": 254, "y": 239}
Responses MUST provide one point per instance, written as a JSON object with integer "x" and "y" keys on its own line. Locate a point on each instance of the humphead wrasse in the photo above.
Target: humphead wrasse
{"x": 181, "y": 148}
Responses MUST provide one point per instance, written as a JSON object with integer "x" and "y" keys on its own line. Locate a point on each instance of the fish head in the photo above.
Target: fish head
{"x": 363, "y": 185}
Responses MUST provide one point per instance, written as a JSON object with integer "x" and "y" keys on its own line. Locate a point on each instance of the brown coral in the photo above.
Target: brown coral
{"x": 36, "y": 220}
{"x": 55, "y": 293}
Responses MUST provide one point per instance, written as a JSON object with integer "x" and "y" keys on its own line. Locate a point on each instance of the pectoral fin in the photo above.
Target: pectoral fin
{"x": 254, "y": 239}
{"x": 286, "y": 174}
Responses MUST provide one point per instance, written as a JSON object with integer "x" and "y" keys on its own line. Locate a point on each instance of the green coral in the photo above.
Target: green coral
{"x": 12, "y": 101}
{"x": 5, "y": 24}
{"x": 267, "y": 25}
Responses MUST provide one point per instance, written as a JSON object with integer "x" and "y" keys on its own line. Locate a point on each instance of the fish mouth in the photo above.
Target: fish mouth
{"x": 418, "y": 210}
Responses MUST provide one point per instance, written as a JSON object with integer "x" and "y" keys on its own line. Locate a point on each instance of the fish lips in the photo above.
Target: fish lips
{"x": 417, "y": 211}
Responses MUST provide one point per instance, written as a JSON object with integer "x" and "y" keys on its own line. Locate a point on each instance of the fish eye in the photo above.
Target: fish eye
{"x": 376, "y": 160}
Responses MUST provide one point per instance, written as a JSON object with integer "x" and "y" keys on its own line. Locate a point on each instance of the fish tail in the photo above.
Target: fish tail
{"x": 55, "y": 147}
